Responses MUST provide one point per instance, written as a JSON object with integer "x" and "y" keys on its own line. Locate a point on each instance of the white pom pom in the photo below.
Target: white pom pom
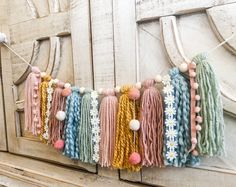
{"x": 158, "y": 78}
{"x": 198, "y": 127}
{"x": 134, "y": 125}
{"x": 67, "y": 85}
{"x": 183, "y": 67}
{"x": 81, "y": 90}
{"x": 100, "y": 91}
{"x": 3, "y": 37}
{"x": 61, "y": 115}
{"x": 43, "y": 74}
{"x": 138, "y": 85}
{"x": 117, "y": 89}
{"x": 55, "y": 81}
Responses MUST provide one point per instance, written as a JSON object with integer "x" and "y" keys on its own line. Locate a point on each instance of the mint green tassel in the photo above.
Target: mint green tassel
{"x": 211, "y": 137}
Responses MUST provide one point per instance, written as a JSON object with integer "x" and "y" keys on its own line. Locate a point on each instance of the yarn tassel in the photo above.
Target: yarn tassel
{"x": 151, "y": 131}
{"x": 85, "y": 130}
{"x": 124, "y": 143}
{"x": 71, "y": 128}
{"x": 107, "y": 114}
{"x": 211, "y": 137}
{"x": 58, "y": 104}
{"x": 32, "y": 102}
{"x": 43, "y": 103}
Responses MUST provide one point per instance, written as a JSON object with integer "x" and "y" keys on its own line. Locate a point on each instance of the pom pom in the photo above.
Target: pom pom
{"x": 134, "y": 125}
{"x": 38, "y": 125}
{"x": 138, "y": 85}
{"x": 66, "y": 92}
{"x": 199, "y": 119}
{"x": 197, "y": 109}
{"x": 35, "y": 69}
{"x": 82, "y": 90}
{"x": 194, "y": 140}
{"x": 55, "y": 81}
{"x": 183, "y": 67}
{"x": 192, "y": 74}
{"x": 135, "y": 158}
{"x": 195, "y": 153}
{"x": 61, "y": 115}
{"x": 195, "y": 85}
{"x": 158, "y": 78}
{"x": 197, "y": 97}
{"x": 193, "y": 65}
{"x": 198, "y": 127}
{"x": 67, "y": 85}
{"x": 43, "y": 74}
{"x": 117, "y": 89}
{"x": 134, "y": 93}
{"x": 100, "y": 91}
{"x": 38, "y": 131}
{"x": 3, "y": 37}
{"x": 59, "y": 144}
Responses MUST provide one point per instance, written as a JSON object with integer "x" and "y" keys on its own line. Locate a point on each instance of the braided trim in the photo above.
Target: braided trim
{"x": 95, "y": 125}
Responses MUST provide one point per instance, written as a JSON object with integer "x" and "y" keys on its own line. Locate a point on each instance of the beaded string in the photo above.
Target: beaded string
{"x": 43, "y": 103}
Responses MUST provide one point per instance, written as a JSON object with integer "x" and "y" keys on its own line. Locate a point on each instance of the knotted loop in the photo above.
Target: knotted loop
{"x": 109, "y": 92}
{"x": 148, "y": 83}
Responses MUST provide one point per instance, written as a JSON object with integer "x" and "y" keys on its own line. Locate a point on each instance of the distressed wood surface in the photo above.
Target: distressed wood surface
{"x": 153, "y": 9}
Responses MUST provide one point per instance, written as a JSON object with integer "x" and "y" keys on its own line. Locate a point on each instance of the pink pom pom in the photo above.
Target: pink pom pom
{"x": 193, "y": 65}
{"x": 197, "y": 109}
{"x": 134, "y": 158}
{"x": 194, "y": 140}
{"x": 39, "y": 131}
{"x": 197, "y": 97}
{"x": 198, "y": 127}
{"x": 134, "y": 93}
{"x": 59, "y": 144}
{"x": 195, "y": 85}
{"x": 195, "y": 153}
{"x": 35, "y": 69}
{"x": 66, "y": 92}
{"x": 192, "y": 74}
{"x": 199, "y": 119}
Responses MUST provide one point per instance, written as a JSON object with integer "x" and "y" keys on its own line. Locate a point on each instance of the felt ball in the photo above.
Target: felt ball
{"x": 35, "y": 104}
{"x": 197, "y": 97}
{"x": 66, "y": 92}
{"x": 198, "y": 127}
{"x": 3, "y": 37}
{"x": 60, "y": 115}
{"x": 195, "y": 85}
{"x": 199, "y": 119}
{"x": 100, "y": 91}
{"x": 38, "y": 75}
{"x": 192, "y": 74}
{"x": 195, "y": 153}
{"x": 67, "y": 85}
{"x": 82, "y": 90}
{"x": 43, "y": 74}
{"x": 194, "y": 140}
{"x": 193, "y": 65}
{"x": 38, "y": 131}
{"x": 36, "y": 83}
{"x": 34, "y": 111}
{"x": 59, "y": 144}
{"x": 36, "y": 119}
{"x": 117, "y": 89}
{"x": 134, "y": 125}
{"x": 35, "y": 95}
{"x": 38, "y": 126}
{"x": 183, "y": 67}
{"x": 197, "y": 109}
{"x": 55, "y": 81}
{"x": 138, "y": 85}
{"x": 134, "y": 93}
{"x": 158, "y": 78}
{"x": 135, "y": 158}
{"x": 36, "y": 88}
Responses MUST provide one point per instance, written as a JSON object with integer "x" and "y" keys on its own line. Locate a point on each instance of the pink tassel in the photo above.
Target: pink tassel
{"x": 151, "y": 131}
{"x": 32, "y": 102}
{"x": 107, "y": 114}
{"x": 58, "y": 104}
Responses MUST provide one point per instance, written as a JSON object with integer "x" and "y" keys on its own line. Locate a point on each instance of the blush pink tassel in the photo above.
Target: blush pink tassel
{"x": 32, "y": 102}
{"x": 151, "y": 130}
{"x": 107, "y": 114}
{"x": 58, "y": 104}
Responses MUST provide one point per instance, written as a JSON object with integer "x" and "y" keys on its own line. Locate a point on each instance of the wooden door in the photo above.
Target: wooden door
{"x": 55, "y": 36}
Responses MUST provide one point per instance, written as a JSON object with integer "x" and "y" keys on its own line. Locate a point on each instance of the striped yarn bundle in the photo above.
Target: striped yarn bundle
{"x": 211, "y": 137}
{"x": 124, "y": 143}
{"x": 151, "y": 129}
{"x": 32, "y": 102}
{"x": 72, "y": 122}
{"x": 108, "y": 115}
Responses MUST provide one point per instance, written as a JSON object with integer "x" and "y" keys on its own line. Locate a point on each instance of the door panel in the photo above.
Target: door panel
{"x": 47, "y": 43}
